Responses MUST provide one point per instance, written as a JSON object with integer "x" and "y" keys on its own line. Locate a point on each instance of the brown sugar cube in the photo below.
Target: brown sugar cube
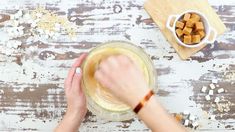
{"x": 195, "y": 17}
{"x": 179, "y": 32}
{"x": 196, "y": 38}
{"x": 180, "y": 24}
{"x": 190, "y": 23}
{"x": 199, "y": 26}
{"x": 201, "y": 33}
{"x": 187, "y": 30}
{"x": 194, "y": 32}
{"x": 186, "y": 16}
{"x": 187, "y": 39}
{"x": 182, "y": 38}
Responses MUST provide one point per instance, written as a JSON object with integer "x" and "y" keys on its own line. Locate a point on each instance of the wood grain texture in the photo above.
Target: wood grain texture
{"x": 31, "y": 84}
{"x": 160, "y": 11}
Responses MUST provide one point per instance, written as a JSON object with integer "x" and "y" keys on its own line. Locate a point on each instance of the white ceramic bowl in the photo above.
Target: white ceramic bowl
{"x": 208, "y": 29}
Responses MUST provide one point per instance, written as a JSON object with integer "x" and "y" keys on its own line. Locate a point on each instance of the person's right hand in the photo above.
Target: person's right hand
{"x": 123, "y": 78}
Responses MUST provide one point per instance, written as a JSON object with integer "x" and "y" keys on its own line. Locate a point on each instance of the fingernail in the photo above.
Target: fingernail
{"x": 78, "y": 70}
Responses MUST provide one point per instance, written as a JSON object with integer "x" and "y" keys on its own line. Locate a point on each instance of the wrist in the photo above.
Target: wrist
{"x": 72, "y": 120}
{"x": 72, "y": 113}
{"x": 153, "y": 107}
{"x": 76, "y": 111}
{"x": 140, "y": 96}
{"x": 74, "y": 117}
{"x": 70, "y": 123}
{"x": 143, "y": 101}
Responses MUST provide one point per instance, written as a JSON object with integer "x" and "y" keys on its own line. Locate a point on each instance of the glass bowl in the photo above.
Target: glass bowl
{"x": 100, "y": 101}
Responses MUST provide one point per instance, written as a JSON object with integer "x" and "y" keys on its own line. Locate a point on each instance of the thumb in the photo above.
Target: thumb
{"x": 77, "y": 80}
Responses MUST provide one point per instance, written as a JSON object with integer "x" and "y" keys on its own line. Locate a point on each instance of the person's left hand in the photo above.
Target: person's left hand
{"x": 76, "y": 101}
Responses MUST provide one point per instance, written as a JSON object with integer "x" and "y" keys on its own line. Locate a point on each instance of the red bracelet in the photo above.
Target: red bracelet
{"x": 143, "y": 101}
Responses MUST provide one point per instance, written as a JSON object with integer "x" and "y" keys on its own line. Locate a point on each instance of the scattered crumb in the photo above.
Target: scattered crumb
{"x": 204, "y": 88}
{"x": 34, "y": 25}
{"x": 224, "y": 106}
{"x": 217, "y": 99}
{"x": 211, "y": 92}
{"x": 192, "y": 117}
{"x": 212, "y": 86}
{"x": 221, "y": 90}
{"x": 187, "y": 119}
{"x": 208, "y": 97}
{"x": 195, "y": 124}
{"x": 186, "y": 122}
{"x": 178, "y": 117}
{"x": 214, "y": 81}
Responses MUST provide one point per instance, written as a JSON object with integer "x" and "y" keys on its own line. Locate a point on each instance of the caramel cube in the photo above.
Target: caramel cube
{"x": 186, "y": 17}
{"x": 194, "y": 32}
{"x": 190, "y": 23}
{"x": 201, "y": 33}
{"x": 196, "y": 38}
{"x": 179, "y": 32}
{"x": 180, "y": 24}
{"x": 187, "y": 30}
{"x": 187, "y": 39}
{"x": 199, "y": 26}
{"x": 178, "y": 117}
{"x": 182, "y": 38}
{"x": 195, "y": 17}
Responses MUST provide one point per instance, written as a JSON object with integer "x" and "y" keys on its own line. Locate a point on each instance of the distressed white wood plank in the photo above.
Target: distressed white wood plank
{"x": 179, "y": 81}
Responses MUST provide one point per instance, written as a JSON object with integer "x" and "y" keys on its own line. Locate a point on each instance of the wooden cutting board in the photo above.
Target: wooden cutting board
{"x": 160, "y": 10}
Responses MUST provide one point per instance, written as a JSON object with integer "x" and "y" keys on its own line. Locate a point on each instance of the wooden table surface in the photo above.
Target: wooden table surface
{"x": 31, "y": 84}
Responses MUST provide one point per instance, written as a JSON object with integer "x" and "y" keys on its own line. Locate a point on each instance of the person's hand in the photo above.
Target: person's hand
{"x": 123, "y": 78}
{"x": 76, "y": 101}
